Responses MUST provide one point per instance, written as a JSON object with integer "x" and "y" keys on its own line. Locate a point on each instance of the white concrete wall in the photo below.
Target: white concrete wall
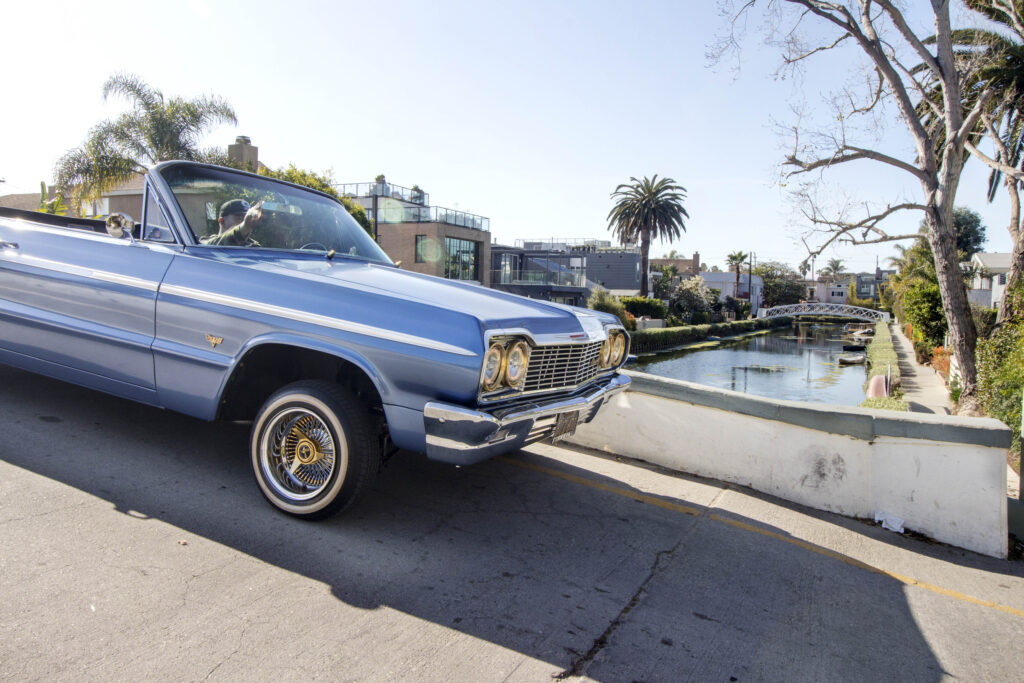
{"x": 945, "y": 476}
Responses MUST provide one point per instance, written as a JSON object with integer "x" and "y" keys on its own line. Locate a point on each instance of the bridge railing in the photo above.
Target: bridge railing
{"x": 840, "y": 310}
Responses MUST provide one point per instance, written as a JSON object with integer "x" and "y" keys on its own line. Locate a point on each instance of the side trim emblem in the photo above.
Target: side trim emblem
{"x": 213, "y": 340}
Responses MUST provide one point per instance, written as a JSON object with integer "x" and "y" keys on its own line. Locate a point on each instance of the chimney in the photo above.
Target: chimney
{"x": 244, "y": 153}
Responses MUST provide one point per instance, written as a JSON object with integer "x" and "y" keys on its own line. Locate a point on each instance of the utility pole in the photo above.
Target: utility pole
{"x": 750, "y": 282}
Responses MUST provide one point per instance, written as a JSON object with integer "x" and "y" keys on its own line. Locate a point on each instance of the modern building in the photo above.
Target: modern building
{"x": 424, "y": 238}
{"x": 538, "y": 273}
{"x": 870, "y": 285}
{"x": 611, "y": 267}
{"x": 616, "y": 269}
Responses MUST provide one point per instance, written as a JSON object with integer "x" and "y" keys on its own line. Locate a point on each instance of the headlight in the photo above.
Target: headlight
{"x": 515, "y": 366}
{"x": 618, "y": 347}
{"x": 494, "y": 361}
{"x": 606, "y": 353}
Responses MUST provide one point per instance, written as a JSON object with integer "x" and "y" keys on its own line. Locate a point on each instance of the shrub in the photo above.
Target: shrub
{"x": 984, "y": 320}
{"x": 641, "y": 305}
{"x": 922, "y": 352}
{"x": 940, "y": 361}
{"x": 1001, "y": 376}
{"x": 602, "y": 300}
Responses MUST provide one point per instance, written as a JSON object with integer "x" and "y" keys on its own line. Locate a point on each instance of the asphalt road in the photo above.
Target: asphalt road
{"x": 134, "y": 545}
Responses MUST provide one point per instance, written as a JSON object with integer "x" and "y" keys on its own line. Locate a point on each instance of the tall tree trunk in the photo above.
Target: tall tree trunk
{"x": 645, "y": 260}
{"x": 962, "y": 333}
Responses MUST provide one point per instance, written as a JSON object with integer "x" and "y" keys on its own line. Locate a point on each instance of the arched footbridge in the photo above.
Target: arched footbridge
{"x": 840, "y": 310}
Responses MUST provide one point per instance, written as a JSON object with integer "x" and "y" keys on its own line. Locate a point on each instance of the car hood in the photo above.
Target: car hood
{"x": 547, "y": 321}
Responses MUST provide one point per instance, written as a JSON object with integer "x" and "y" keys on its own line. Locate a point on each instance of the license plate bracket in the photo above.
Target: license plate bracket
{"x": 565, "y": 425}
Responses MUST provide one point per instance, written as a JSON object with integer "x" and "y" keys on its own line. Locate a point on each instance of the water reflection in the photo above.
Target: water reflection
{"x": 799, "y": 363}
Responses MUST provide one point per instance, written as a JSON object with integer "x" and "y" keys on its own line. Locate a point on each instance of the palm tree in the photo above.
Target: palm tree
{"x": 644, "y": 209}
{"x": 834, "y": 269}
{"x": 155, "y": 129}
{"x": 735, "y": 262}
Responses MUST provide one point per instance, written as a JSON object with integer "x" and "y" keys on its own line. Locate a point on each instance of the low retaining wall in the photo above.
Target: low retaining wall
{"x": 944, "y": 476}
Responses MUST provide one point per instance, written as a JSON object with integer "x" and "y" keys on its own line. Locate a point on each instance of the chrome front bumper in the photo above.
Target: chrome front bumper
{"x": 463, "y": 436}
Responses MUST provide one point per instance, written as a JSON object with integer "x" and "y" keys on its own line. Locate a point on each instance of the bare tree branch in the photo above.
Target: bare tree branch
{"x": 901, "y": 25}
{"x": 846, "y": 153}
{"x": 1010, "y": 171}
{"x": 788, "y": 61}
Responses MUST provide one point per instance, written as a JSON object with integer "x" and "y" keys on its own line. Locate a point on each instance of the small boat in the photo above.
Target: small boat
{"x": 855, "y": 359}
{"x": 853, "y": 347}
{"x": 864, "y": 333}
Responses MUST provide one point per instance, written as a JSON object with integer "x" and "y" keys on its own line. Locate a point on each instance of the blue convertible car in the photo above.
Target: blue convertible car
{"x": 239, "y": 297}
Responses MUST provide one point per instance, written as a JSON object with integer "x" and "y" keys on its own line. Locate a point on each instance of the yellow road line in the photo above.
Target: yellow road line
{"x": 697, "y": 512}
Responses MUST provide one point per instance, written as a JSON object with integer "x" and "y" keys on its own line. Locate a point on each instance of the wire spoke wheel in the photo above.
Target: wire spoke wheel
{"x": 314, "y": 449}
{"x": 301, "y": 455}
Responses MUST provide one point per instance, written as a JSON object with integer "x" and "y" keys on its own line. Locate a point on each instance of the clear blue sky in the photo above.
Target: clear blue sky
{"x": 529, "y": 113}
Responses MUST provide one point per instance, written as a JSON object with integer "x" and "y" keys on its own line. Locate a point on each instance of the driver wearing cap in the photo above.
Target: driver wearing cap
{"x": 237, "y": 220}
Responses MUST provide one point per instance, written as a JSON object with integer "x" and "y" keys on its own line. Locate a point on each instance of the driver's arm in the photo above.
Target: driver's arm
{"x": 252, "y": 218}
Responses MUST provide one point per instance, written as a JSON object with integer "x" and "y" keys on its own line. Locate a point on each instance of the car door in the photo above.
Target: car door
{"x": 80, "y": 305}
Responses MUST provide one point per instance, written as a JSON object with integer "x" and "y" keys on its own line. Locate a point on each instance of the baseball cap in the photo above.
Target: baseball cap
{"x": 233, "y": 207}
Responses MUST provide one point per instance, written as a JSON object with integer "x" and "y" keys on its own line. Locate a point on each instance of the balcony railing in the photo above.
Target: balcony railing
{"x": 539, "y": 277}
{"x": 395, "y": 212}
{"x": 573, "y": 244}
{"x": 391, "y": 190}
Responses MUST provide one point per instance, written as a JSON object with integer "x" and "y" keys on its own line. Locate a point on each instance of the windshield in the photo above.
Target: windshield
{"x": 290, "y": 217}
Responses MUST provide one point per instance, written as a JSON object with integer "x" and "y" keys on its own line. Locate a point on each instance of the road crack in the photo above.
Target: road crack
{"x": 661, "y": 558}
{"x": 580, "y": 664}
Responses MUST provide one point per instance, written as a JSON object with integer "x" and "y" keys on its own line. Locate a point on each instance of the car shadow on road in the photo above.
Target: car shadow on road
{"x": 576, "y": 576}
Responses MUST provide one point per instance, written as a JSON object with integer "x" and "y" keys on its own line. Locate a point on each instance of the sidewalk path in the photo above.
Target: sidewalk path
{"x": 923, "y": 388}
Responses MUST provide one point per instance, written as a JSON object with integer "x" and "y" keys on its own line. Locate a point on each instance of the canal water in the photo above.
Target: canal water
{"x": 797, "y": 363}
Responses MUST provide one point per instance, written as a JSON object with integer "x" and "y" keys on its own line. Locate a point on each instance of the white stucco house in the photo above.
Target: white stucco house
{"x": 988, "y": 285}
{"x": 725, "y": 282}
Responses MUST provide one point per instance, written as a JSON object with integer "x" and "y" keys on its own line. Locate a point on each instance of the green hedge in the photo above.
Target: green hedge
{"x": 640, "y": 306}
{"x": 881, "y": 355}
{"x": 647, "y": 341}
{"x": 1001, "y": 377}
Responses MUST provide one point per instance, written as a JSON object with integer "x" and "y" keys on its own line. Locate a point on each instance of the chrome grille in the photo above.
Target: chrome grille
{"x": 561, "y": 366}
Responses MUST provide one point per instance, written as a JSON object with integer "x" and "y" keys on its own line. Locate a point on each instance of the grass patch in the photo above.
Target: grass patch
{"x": 885, "y": 403}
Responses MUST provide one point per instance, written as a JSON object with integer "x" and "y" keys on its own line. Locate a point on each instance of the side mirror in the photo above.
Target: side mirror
{"x": 120, "y": 225}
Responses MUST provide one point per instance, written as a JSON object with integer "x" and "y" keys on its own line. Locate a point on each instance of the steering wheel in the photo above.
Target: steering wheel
{"x": 311, "y": 245}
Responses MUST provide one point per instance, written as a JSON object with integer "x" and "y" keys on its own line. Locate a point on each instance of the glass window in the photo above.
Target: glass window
{"x": 293, "y": 218}
{"x": 156, "y": 228}
{"x": 461, "y": 259}
{"x": 421, "y": 243}
{"x": 509, "y": 268}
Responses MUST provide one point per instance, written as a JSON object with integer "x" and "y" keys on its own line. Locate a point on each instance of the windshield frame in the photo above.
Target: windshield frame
{"x": 160, "y": 172}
